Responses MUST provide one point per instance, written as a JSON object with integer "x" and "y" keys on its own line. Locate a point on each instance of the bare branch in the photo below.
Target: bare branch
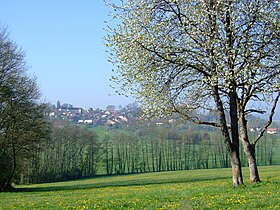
{"x": 268, "y": 123}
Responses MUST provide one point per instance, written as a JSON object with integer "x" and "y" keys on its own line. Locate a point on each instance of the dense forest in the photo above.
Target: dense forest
{"x": 77, "y": 151}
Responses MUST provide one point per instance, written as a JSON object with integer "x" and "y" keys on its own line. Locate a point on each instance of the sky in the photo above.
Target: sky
{"x": 63, "y": 43}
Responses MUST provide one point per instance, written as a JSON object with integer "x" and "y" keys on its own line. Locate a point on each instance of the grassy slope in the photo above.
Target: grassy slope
{"x": 195, "y": 189}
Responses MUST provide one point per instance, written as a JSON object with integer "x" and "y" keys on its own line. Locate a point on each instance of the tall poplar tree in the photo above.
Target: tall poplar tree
{"x": 218, "y": 56}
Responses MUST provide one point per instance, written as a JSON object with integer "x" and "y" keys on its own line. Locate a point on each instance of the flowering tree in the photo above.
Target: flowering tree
{"x": 200, "y": 56}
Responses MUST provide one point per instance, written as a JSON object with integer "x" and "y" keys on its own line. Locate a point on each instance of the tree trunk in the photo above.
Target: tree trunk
{"x": 7, "y": 184}
{"x": 107, "y": 157}
{"x": 236, "y": 169}
{"x": 249, "y": 150}
{"x": 232, "y": 144}
{"x": 250, "y": 153}
{"x": 147, "y": 156}
{"x": 153, "y": 160}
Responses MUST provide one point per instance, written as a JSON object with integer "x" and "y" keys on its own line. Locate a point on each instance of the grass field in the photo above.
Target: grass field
{"x": 194, "y": 189}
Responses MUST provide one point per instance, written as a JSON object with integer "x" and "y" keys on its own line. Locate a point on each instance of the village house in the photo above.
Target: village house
{"x": 257, "y": 129}
{"x": 271, "y": 130}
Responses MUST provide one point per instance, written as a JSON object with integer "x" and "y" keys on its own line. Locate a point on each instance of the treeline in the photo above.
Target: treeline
{"x": 76, "y": 152}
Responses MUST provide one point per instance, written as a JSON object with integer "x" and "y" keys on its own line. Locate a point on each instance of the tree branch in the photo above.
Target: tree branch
{"x": 268, "y": 123}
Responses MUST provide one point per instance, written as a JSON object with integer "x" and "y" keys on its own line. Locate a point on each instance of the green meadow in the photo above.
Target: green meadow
{"x": 192, "y": 189}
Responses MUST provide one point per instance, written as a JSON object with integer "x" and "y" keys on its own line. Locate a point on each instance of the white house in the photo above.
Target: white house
{"x": 88, "y": 121}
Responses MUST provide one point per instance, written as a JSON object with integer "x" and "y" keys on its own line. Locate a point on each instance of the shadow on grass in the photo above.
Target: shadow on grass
{"x": 127, "y": 183}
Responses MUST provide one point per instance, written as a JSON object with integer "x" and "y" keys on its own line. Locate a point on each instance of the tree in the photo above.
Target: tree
{"x": 66, "y": 106}
{"x": 111, "y": 108}
{"x": 22, "y": 121}
{"x": 201, "y": 56}
{"x": 58, "y": 105}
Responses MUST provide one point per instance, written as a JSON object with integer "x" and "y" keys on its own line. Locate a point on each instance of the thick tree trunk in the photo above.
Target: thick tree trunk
{"x": 232, "y": 144}
{"x": 233, "y": 150}
{"x": 249, "y": 150}
{"x": 236, "y": 169}
{"x": 7, "y": 183}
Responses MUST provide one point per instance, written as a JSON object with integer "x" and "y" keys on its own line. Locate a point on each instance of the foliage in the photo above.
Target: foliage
{"x": 72, "y": 152}
{"x": 170, "y": 54}
{"x": 22, "y": 121}
{"x": 76, "y": 151}
{"x": 194, "y": 189}
{"x": 207, "y": 56}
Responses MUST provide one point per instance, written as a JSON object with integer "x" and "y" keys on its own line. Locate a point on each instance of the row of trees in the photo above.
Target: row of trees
{"x": 76, "y": 152}
{"x": 71, "y": 152}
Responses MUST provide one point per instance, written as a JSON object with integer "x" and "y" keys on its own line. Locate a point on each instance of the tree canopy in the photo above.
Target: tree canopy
{"x": 208, "y": 55}
{"x": 22, "y": 122}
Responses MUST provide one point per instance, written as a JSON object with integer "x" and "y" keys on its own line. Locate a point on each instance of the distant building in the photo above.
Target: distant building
{"x": 257, "y": 129}
{"x": 80, "y": 122}
{"x": 110, "y": 122}
{"x": 75, "y": 111}
{"x": 88, "y": 121}
{"x": 120, "y": 118}
{"x": 272, "y": 130}
{"x": 252, "y": 130}
{"x": 52, "y": 114}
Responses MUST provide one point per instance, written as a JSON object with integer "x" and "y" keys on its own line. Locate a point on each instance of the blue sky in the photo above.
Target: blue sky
{"x": 64, "y": 47}
{"x": 63, "y": 41}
